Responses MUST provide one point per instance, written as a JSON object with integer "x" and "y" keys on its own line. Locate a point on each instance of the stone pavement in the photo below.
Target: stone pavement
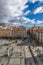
{"x": 21, "y": 55}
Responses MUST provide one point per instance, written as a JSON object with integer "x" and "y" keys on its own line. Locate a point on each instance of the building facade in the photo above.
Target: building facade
{"x": 13, "y": 32}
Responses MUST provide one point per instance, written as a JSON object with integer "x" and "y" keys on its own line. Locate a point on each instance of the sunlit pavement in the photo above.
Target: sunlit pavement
{"x": 21, "y": 54}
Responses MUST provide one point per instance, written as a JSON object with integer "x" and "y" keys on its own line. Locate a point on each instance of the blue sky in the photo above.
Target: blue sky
{"x": 21, "y": 12}
{"x": 38, "y": 16}
{"x": 32, "y": 7}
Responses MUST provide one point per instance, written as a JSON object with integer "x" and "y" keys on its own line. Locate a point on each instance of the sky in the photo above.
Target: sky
{"x": 21, "y": 12}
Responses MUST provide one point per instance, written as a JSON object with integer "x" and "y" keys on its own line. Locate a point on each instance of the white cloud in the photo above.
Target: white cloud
{"x": 27, "y": 12}
{"x": 41, "y": 0}
{"x": 12, "y": 8}
{"x": 27, "y": 20}
{"x": 33, "y": 21}
{"x": 38, "y": 10}
{"x": 16, "y": 24}
{"x": 4, "y": 20}
{"x": 24, "y": 20}
{"x": 42, "y": 10}
{"x": 39, "y": 22}
{"x": 33, "y": 1}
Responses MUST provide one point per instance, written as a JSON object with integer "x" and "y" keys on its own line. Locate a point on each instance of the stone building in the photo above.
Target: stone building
{"x": 13, "y": 31}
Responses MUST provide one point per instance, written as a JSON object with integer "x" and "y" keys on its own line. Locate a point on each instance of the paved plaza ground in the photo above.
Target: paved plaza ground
{"x": 22, "y": 53}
